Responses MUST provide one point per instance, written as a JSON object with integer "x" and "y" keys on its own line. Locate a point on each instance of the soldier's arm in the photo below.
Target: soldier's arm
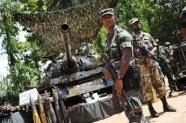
{"x": 125, "y": 59}
{"x": 126, "y": 50}
{"x": 154, "y": 44}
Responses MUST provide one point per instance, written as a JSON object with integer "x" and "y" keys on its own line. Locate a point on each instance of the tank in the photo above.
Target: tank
{"x": 84, "y": 95}
{"x": 83, "y": 91}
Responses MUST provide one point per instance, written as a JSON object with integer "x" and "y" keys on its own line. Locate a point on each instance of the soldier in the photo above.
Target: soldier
{"x": 149, "y": 68}
{"x": 179, "y": 54}
{"x": 120, "y": 56}
{"x": 164, "y": 62}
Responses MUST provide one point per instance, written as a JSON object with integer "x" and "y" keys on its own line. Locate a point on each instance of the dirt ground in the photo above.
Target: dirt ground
{"x": 178, "y": 101}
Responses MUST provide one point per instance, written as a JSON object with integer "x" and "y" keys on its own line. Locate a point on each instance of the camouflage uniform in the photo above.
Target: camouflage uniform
{"x": 164, "y": 62}
{"x": 151, "y": 75}
{"x": 120, "y": 38}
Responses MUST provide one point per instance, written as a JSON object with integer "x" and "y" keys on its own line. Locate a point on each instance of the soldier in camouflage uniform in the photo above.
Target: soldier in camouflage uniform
{"x": 151, "y": 77}
{"x": 165, "y": 55}
{"x": 120, "y": 54}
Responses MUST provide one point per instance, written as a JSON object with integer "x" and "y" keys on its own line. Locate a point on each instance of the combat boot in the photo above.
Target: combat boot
{"x": 152, "y": 111}
{"x": 176, "y": 87}
{"x": 170, "y": 93}
{"x": 166, "y": 106}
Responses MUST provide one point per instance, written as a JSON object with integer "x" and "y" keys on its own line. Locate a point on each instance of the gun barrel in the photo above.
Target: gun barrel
{"x": 65, "y": 30}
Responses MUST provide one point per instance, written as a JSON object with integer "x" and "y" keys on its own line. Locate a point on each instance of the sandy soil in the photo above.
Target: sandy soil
{"x": 178, "y": 101}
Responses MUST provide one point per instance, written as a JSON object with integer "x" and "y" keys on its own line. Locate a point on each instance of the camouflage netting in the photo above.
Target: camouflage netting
{"x": 83, "y": 21}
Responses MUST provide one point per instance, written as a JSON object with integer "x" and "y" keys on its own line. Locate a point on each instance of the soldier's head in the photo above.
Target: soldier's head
{"x": 134, "y": 23}
{"x": 183, "y": 17}
{"x": 107, "y": 17}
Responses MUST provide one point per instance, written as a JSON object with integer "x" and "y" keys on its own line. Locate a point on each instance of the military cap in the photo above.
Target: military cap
{"x": 107, "y": 11}
{"x": 133, "y": 20}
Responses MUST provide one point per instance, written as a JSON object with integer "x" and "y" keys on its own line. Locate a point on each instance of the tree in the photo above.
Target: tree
{"x": 23, "y": 57}
{"x": 167, "y": 20}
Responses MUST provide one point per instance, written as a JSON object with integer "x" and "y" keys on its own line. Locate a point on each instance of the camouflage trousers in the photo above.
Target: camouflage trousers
{"x": 152, "y": 83}
{"x": 138, "y": 117}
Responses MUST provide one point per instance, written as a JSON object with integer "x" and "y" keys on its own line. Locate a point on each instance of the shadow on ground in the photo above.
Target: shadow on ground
{"x": 149, "y": 118}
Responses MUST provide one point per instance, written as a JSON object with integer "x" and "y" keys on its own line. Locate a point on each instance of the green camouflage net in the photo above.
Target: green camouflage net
{"x": 83, "y": 21}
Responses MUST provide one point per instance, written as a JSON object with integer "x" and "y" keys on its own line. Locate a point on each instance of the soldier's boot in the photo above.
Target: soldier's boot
{"x": 172, "y": 86}
{"x": 152, "y": 111}
{"x": 175, "y": 87}
{"x": 166, "y": 106}
{"x": 170, "y": 93}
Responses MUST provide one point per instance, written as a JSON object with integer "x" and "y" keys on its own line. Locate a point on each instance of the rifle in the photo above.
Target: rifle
{"x": 123, "y": 99}
{"x": 144, "y": 50}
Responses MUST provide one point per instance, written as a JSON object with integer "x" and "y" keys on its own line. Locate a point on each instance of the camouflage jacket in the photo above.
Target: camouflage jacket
{"x": 116, "y": 40}
{"x": 146, "y": 40}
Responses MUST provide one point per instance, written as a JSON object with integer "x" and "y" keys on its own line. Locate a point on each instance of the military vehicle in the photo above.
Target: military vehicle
{"x": 178, "y": 62}
{"x": 84, "y": 95}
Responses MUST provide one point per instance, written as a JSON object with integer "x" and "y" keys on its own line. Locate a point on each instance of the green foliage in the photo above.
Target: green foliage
{"x": 145, "y": 10}
{"x": 168, "y": 20}
{"x": 63, "y": 4}
{"x": 99, "y": 42}
{"x": 21, "y": 76}
{"x": 34, "y": 5}
{"x": 3, "y": 86}
{"x": 159, "y": 18}
{"x": 23, "y": 57}
{"x": 9, "y": 30}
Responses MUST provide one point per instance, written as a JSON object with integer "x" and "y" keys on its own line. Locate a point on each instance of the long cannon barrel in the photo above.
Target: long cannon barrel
{"x": 65, "y": 30}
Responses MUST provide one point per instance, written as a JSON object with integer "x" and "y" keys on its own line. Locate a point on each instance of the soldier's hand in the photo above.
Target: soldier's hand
{"x": 137, "y": 52}
{"x": 118, "y": 86}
